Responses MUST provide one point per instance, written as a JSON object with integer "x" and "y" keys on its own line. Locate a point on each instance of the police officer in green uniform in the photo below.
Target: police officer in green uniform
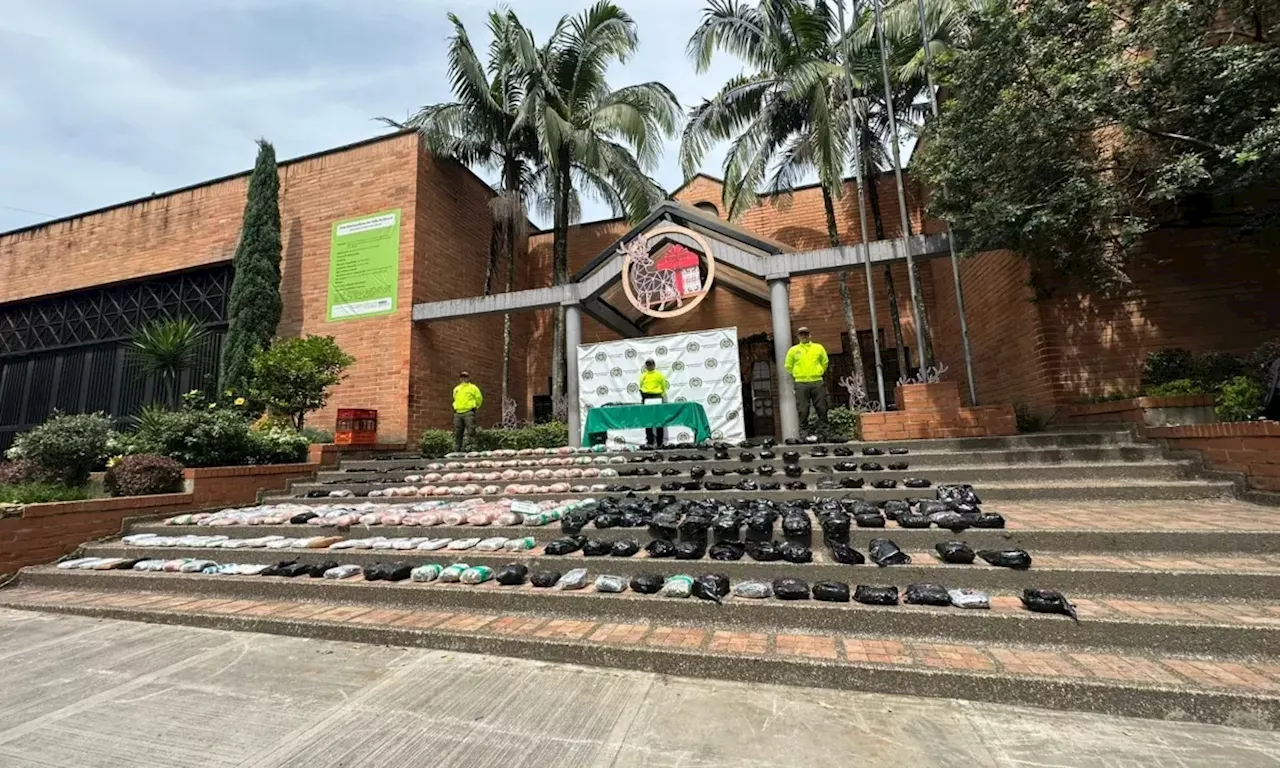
{"x": 807, "y": 363}
{"x": 653, "y": 387}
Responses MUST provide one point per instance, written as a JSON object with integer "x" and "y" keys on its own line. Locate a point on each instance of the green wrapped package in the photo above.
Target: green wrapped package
{"x": 428, "y": 572}
{"x": 453, "y": 573}
{"x": 477, "y": 575}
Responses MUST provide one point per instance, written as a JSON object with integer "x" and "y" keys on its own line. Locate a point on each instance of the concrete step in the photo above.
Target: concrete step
{"x": 921, "y": 460}
{"x": 1176, "y": 575}
{"x": 1089, "y": 538}
{"x": 1143, "y": 683}
{"x": 1053, "y": 491}
{"x": 1238, "y": 629}
{"x": 976, "y": 476}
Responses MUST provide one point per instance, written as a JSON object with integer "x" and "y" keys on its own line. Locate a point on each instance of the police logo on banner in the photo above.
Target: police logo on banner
{"x": 587, "y": 375}
{"x": 615, "y": 373}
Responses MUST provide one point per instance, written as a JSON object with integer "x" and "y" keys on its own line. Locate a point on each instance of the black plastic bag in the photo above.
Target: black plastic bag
{"x": 712, "y": 485}
{"x": 927, "y": 594}
{"x": 727, "y": 525}
{"x": 796, "y": 485}
{"x": 764, "y": 551}
{"x": 895, "y": 507}
{"x": 952, "y": 521}
{"x": 928, "y": 507}
{"x": 846, "y": 466}
{"x": 836, "y": 524}
{"x": 698, "y": 472}
{"x": 843, "y": 553}
{"x": 793, "y": 470}
{"x": 795, "y": 553}
{"x": 872, "y": 451}
{"x": 766, "y": 471}
{"x": 719, "y": 471}
{"x": 727, "y": 550}
{"x": 885, "y": 485}
{"x": 818, "y": 452}
{"x": 544, "y": 579}
{"x": 711, "y": 586}
{"x": 608, "y": 520}
{"x": 511, "y": 574}
{"x": 831, "y": 591}
{"x": 646, "y": 583}
{"x": 954, "y": 552}
{"x": 869, "y": 520}
{"x": 295, "y": 570}
{"x": 696, "y": 524}
{"x": 958, "y": 493}
{"x": 672, "y": 486}
{"x": 1018, "y": 559}
{"x": 901, "y": 466}
{"x": 317, "y": 571}
{"x": 898, "y": 451}
{"x": 868, "y": 595}
{"x": 691, "y": 550}
{"x": 768, "y": 454}
{"x": 913, "y": 520}
{"x": 747, "y": 485}
{"x": 762, "y": 522}
{"x": 871, "y": 466}
{"x": 624, "y": 548}
{"x": 669, "y": 472}
{"x": 770, "y": 486}
{"x": 302, "y": 517}
{"x": 796, "y": 524}
{"x": 1048, "y": 601}
{"x": 790, "y": 589}
{"x": 885, "y": 552}
{"x": 790, "y": 457}
{"x": 989, "y": 520}
{"x": 564, "y": 546}
{"x": 914, "y": 482}
{"x": 746, "y": 456}
{"x": 659, "y": 548}
{"x": 722, "y": 455}
{"x": 277, "y": 569}
{"x": 397, "y": 572}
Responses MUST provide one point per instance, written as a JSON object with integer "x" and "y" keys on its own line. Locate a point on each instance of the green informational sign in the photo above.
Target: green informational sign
{"x": 364, "y": 266}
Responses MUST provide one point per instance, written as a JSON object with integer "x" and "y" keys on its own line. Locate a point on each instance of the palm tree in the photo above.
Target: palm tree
{"x": 166, "y": 348}
{"x": 606, "y": 141}
{"x": 479, "y": 129}
{"x": 790, "y": 115}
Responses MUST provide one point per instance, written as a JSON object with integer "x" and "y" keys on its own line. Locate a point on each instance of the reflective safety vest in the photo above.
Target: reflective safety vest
{"x": 652, "y": 382}
{"x": 466, "y": 397}
{"x": 807, "y": 361}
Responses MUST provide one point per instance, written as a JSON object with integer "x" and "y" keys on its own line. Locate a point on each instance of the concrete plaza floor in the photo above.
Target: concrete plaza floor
{"x": 87, "y": 692}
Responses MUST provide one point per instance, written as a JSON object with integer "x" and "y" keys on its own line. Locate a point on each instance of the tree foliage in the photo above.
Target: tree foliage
{"x": 293, "y": 377}
{"x": 167, "y": 348}
{"x": 1073, "y": 127}
{"x": 255, "y": 305}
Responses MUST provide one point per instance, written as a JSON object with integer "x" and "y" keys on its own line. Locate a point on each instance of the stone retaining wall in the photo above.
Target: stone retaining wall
{"x": 1147, "y": 411}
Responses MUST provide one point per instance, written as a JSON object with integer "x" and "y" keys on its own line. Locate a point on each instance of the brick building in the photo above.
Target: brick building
{"x": 72, "y": 289}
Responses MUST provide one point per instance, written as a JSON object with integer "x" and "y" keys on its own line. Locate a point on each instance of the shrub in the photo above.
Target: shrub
{"x": 1167, "y": 365}
{"x": 843, "y": 423}
{"x": 1177, "y": 387}
{"x": 1260, "y": 360}
{"x": 277, "y": 444}
{"x": 143, "y": 474}
{"x": 67, "y": 447}
{"x": 1240, "y": 399}
{"x": 20, "y": 472}
{"x": 1212, "y": 370}
{"x": 39, "y": 493}
{"x": 210, "y": 437}
{"x": 552, "y": 434}
{"x": 293, "y": 377}
{"x": 317, "y": 436}
{"x": 436, "y": 443}
{"x": 1027, "y": 419}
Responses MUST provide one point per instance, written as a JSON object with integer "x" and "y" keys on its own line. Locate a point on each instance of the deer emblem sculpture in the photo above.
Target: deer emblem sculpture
{"x": 652, "y": 287}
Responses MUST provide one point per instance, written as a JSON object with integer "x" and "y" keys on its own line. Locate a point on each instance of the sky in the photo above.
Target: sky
{"x": 103, "y": 102}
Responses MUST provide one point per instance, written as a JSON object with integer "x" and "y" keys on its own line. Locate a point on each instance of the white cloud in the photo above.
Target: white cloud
{"x": 113, "y": 101}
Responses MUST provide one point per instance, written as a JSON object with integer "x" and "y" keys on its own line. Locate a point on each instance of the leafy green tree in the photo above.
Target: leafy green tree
{"x": 605, "y": 140}
{"x": 255, "y": 305}
{"x": 1074, "y": 127}
{"x": 478, "y": 129}
{"x": 166, "y": 349}
{"x": 293, "y": 376}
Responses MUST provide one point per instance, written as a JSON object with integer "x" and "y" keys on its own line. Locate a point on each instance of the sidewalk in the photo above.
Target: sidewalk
{"x": 91, "y": 693}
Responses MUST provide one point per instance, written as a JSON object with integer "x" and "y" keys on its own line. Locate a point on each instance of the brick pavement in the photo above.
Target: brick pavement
{"x": 1165, "y": 670}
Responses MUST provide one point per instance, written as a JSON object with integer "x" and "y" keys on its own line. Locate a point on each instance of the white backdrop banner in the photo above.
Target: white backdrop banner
{"x": 700, "y": 367}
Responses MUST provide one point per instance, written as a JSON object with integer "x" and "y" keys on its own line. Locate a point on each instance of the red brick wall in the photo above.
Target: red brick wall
{"x": 216, "y": 487}
{"x": 44, "y": 532}
{"x": 1248, "y": 448}
{"x": 201, "y": 226}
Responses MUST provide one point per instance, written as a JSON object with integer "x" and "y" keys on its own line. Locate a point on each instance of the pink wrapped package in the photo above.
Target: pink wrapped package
{"x": 429, "y": 518}
{"x": 507, "y": 518}
{"x": 559, "y": 488}
{"x": 440, "y": 490}
{"x": 527, "y": 474}
{"x": 453, "y": 518}
{"x": 479, "y": 518}
{"x": 433, "y": 477}
{"x": 510, "y": 489}
{"x": 542, "y": 474}
{"x": 393, "y": 518}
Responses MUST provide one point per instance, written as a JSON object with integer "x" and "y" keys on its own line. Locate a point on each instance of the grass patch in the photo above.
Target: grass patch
{"x": 37, "y": 493}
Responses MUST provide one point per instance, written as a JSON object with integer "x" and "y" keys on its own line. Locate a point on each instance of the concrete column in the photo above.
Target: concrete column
{"x": 780, "y": 313}
{"x": 572, "y": 338}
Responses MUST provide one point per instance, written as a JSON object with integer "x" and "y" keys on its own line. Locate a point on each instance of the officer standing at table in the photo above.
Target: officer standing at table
{"x": 653, "y": 386}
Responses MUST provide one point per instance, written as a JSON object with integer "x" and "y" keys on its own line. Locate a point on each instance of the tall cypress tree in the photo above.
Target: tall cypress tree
{"x": 255, "y": 303}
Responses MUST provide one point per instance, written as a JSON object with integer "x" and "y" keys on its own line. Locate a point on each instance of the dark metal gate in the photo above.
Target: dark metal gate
{"x": 67, "y": 353}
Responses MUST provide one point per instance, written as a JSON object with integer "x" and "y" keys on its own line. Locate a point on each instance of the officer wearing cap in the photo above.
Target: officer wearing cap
{"x": 466, "y": 401}
{"x": 807, "y": 363}
{"x": 653, "y": 386}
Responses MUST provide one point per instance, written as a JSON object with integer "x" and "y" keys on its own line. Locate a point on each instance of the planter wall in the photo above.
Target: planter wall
{"x": 328, "y": 455}
{"x": 1249, "y": 448}
{"x": 1178, "y": 410}
{"x": 929, "y": 411}
{"x": 40, "y": 533}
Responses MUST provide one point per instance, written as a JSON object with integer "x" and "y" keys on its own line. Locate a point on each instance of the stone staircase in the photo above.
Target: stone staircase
{"x": 1176, "y": 586}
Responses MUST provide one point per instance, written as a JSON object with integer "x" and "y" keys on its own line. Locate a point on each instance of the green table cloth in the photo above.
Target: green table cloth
{"x": 649, "y": 416}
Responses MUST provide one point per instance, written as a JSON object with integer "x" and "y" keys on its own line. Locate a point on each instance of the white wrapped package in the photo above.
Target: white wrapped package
{"x": 492, "y": 544}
